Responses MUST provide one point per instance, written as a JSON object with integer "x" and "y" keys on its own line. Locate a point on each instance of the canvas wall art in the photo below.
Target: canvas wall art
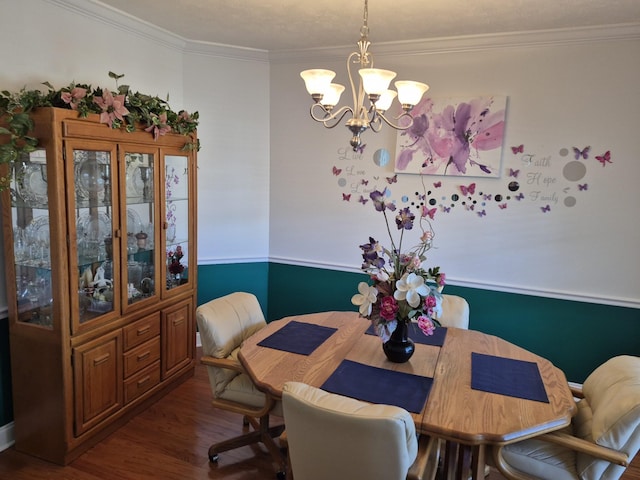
{"x": 458, "y": 137}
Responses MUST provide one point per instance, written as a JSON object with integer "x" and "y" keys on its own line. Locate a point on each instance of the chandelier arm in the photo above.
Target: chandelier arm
{"x": 397, "y": 126}
{"x": 329, "y": 117}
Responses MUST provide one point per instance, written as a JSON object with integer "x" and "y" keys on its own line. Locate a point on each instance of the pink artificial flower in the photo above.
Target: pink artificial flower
{"x": 112, "y": 107}
{"x": 430, "y": 301}
{"x": 442, "y": 279}
{"x": 388, "y": 308}
{"x": 159, "y": 126}
{"x": 73, "y": 98}
{"x": 184, "y": 116}
{"x": 426, "y": 325}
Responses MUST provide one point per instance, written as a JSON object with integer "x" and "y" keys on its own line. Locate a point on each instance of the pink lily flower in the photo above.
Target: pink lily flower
{"x": 159, "y": 126}
{"x": 73, "y": 98}
{"x": 112, "y": 107}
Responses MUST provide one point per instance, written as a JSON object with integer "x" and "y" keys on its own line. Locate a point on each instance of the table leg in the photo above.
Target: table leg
{"x": 450, "y": 460}
{"x": 478, "y": 462}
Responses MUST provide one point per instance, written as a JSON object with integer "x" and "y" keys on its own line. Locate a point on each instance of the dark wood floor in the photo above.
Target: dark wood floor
{"x": 169, "y": 441}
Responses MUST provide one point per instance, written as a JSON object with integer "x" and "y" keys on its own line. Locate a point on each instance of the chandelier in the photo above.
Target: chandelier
{"x": 373, "y": 82}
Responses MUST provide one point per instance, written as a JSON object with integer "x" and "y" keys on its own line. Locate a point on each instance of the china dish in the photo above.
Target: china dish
{"x": 93, "y": 227}
{"x": 32, "y": 186}
{"x": 89, "y": 171}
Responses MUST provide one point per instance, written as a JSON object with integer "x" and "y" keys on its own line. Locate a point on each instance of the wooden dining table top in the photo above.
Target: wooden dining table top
{"x": 453, "y": 411}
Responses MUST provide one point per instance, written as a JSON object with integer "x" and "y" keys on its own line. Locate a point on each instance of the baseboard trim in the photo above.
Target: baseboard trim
{"x": 6, "y": 436}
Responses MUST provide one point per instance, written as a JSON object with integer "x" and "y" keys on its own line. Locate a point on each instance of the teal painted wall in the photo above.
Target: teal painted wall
{"x": 217, "y": 280}
{"x": 6, "y": 406}
{"x": 575, "y": 336}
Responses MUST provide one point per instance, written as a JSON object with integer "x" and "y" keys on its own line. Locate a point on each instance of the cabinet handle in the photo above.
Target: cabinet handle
{"x": 144, "y": 380}
{"x": 143, "y": 330}
{"x": 178, "y": 321}
{"x": 100, "y": 360}
{"x": 144, "y": 355}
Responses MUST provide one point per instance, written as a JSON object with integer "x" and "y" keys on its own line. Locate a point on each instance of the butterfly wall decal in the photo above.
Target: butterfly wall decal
{"x": 437, "y": 184}
{"x": 360, "y": 148}
{"x": 428, "y": 212}
{"x": 364, "y": 182}
{"x": 487, "y": 197}
{"x": 520, "y": 196}
{"x": 363, "y": 200}
{"x": 584, "y": 153}
{"x": 545, "y": 209}
{"x": 337, "y": 171}
{"x": 482, "y": 213}
{"x": 468, "y": 189}
{"x": 446, "y": 209}
{"x": 502, "y": 206}
{"x": 393, "y": 179}
{"x": 604, "y": 158}
{"x": 582, "y": 187}
{"x": 518, "y": 149}
{"x": 514, "y": 173}
{"x": 346, "y": 197}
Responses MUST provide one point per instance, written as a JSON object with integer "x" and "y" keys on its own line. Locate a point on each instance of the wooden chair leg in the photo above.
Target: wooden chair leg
{"x": 262, "y": 433}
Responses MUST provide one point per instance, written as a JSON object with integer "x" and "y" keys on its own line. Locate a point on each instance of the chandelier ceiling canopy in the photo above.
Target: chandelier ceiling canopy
{"x": 373, "y": 82}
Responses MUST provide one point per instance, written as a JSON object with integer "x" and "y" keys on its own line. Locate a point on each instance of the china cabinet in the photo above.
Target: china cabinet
{"x": 100, "y": 246}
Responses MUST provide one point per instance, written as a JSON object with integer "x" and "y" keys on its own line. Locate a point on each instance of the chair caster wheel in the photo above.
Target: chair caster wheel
{"x": 213, "y": 458}
{"x": 281, "y": 475}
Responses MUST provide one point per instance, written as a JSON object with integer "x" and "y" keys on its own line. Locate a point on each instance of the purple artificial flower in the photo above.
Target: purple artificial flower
{"x": 378, "y": 199}
{"x": 404, "y": 219}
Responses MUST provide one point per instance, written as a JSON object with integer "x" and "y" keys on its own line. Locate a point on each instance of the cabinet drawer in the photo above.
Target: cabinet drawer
{"x": 141, "y": 382}
{"x": 141, "y": 331}
{"x": 141, "y": 356}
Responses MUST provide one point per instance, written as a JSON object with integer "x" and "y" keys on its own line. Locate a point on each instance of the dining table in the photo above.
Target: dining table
{"x": 467, "y": 388}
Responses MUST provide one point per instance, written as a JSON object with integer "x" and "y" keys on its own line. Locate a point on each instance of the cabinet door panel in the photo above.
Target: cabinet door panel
{"x": 177, "y": 338}
{"x": 98, "y": 380}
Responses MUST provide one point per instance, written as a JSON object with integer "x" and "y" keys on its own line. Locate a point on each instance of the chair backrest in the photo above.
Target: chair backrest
{"x": 455, "y": 312}
{"x": 331, "y": 436}
{"x": 224, "y": 323}
{"x": 609, "y": 415}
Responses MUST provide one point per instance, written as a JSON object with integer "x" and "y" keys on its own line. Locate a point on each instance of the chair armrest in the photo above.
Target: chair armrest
{"x": 228, "y": 363}
{"x": 584, "y": 446}
{"x": 576, "y": 389}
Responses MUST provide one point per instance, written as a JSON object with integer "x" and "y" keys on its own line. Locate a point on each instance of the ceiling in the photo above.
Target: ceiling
{"x": 276, "y": 25}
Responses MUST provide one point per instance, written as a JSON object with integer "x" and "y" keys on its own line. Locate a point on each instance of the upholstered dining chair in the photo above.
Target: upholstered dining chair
{"x": 334, "y": 437}
{"x": 224, "y": 323}
{"x": 604, "y": 435}
{"x": 455, "y": 312}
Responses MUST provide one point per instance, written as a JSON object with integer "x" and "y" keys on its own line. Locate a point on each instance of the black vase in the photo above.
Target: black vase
{"x": 399, "y": 348}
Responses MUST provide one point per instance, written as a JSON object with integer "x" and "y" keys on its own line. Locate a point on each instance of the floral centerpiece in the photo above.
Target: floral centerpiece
{"x": 402, "y": 289}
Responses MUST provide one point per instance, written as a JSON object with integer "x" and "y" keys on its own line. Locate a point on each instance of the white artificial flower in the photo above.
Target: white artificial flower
{"x": 410, "y": 287}
{"x": 365, "y": 299}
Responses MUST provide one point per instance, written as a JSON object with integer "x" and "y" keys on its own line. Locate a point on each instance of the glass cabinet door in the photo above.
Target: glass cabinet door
{"x": 176, "y": 191}
{"x": 139, "y": 225}
{"x": 32, "y": 239}
{"x": 93, "y": 219}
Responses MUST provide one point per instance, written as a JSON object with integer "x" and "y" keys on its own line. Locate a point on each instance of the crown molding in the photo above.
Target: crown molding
{"x": 471, "y": 43}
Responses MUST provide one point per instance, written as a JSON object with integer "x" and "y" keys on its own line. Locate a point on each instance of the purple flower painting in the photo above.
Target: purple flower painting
{"x": 451, "y": 137}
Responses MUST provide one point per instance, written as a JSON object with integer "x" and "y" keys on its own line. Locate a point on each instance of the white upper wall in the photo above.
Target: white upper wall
{"x": 564, "y": 90}
{"x": 266, "y": 186}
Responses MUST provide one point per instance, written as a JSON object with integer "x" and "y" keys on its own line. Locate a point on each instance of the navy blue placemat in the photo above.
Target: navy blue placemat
{"x": 415, "y": 334}
{"x": 378, "y": 385}
{"x": 298, "y": 337}
{"x": 506, "y": 376}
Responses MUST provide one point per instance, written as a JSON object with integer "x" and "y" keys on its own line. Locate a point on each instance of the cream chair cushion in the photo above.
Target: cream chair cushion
{"x": 335, "y": 437}
{"x": 224, "y": 323}
{"x": 455, "y": 312}
{"x": 609, "y": 415}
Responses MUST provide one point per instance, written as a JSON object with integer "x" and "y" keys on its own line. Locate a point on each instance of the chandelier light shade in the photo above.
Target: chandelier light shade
{"x": 371, "y": 99}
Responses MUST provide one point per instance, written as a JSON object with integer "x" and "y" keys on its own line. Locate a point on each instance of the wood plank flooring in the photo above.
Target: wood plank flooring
{"x": 168, "y": 441}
